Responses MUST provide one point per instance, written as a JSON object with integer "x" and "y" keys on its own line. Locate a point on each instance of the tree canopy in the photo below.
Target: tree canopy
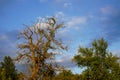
{"x": 100, "y": 64}
{"x": 8, "y": 70}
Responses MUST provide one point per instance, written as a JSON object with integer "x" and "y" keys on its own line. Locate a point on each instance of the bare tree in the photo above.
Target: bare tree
{"x": 38, "y": 45}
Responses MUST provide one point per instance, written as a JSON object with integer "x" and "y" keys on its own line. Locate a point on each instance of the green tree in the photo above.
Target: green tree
{"x": 99, "y": 63}
{"x": 7, "y": 69}
{"x": 67, "y": 75}
{"x": 64, "y": 75}
{"x": 38, "y": 47}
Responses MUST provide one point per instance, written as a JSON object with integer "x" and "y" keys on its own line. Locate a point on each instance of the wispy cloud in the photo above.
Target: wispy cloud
{"x": 67, "y": 5}
{"x": 73, "y": 25}
{"x": 110, "y": 23}
{"x": 108, "y": 10}
{"x": 76, "y": 21}
{"x": 3, "y": 37}
{"x": 116, "y": 52}
{"x": 8, "y": 42}
{"x": 59, "y": 15}
{"x": 66, "y": 61}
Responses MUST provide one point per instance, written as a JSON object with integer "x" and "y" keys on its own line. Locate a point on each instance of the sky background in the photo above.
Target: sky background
{"x": 85, "y": 20}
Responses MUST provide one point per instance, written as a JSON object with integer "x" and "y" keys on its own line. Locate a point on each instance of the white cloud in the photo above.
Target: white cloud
{"x": 108, "y": 10}
{"x": 63, "y": 31}
{"x": 59, "y": 14}
{"x": 67, "y": 4}
{"x": 116, "y": 52}
{"x": 77, "y": 28}
{"x": 3, "y": 37}
{"x": 42, "y": 25}
{"x": 66, "y": 60}
{"x": 76, "y": 21}
{"x": 73, "y": 22}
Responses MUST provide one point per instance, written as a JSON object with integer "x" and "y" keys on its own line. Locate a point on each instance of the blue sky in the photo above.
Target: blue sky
{"x": 85, "y": 20}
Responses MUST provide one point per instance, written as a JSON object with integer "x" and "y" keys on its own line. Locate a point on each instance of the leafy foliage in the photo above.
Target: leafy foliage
{"x": 101, "y": 64}
{"x": 67, "y": 75}
{"x": 7, "y": 69}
